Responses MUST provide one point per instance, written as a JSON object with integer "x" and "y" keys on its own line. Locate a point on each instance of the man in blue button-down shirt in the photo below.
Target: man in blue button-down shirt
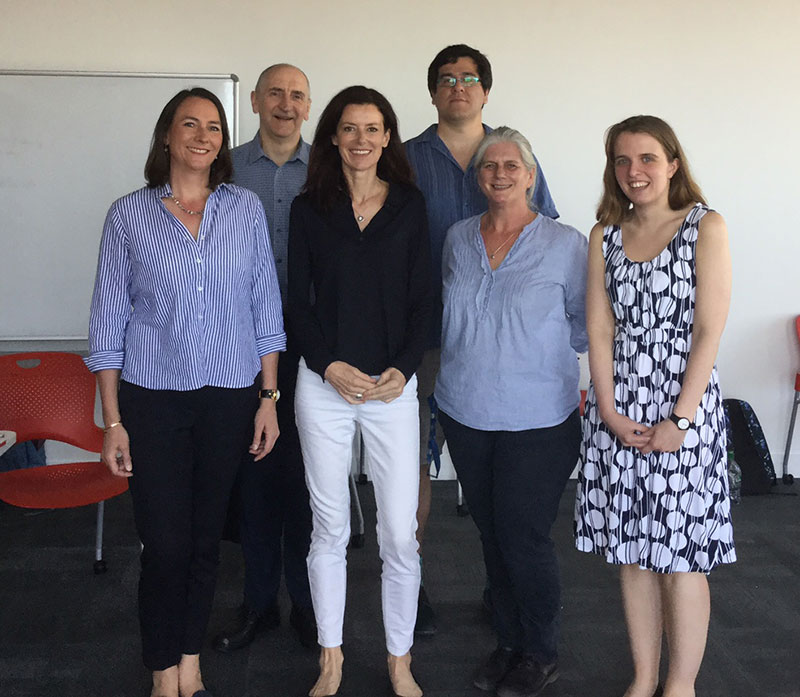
{"x": 275, "y": 514}
{"x": 459, "y": 80}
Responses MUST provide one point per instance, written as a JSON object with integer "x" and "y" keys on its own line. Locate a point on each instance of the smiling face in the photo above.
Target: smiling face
{"x": 459, "y": 103}
{"x": 361, "y": 137}
{"x": 195, "y": 135}
{"x": 642, "y": 168}
{"x": 503, "y": 176}
{"x": 281, "y": 100}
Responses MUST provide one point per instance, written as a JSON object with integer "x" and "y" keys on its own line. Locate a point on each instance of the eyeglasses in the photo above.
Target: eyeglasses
{"x": 466, "y": 80}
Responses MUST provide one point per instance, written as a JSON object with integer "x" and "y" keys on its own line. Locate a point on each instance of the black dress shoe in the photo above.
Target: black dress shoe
{"x": 527, "y": 678}
{"x": 426, "y": 617}
{"x": 243, "y": 630}
{"x": 305, "y": 625}
{"x": 495, "y": 668}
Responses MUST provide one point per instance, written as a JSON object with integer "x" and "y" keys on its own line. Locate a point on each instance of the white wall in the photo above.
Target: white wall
{"x": 724, "y": 74}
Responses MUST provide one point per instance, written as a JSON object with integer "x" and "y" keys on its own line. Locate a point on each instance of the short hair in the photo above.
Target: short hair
{"x": 451, "y": 54}
{"x": 683, "y": 190}
{"x": 157, "y": 167}
{"x": 504, "y": 134}
{"x": 325, "y": 183}
{"x": 265, "y": 74}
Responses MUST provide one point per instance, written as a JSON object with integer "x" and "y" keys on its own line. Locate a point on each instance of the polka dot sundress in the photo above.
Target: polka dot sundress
{"x": 666, "y": 512}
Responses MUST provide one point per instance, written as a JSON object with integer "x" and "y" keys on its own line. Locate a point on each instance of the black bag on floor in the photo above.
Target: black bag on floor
{"x": 749, "y": 447}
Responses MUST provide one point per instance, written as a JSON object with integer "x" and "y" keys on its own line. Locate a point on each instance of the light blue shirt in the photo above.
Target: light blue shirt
{"x": 452, "y": 194}
{"x": 277, "y": 187}
{"x": 178, "y": 313}
{"x": 510, "y": 336}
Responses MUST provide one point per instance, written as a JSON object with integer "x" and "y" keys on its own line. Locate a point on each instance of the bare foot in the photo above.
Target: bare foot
{"x": 165, "y": 682}
{"x": 403, "y": 682}
{"x": 189, "y": 678}
{"x": 330, "y": 672}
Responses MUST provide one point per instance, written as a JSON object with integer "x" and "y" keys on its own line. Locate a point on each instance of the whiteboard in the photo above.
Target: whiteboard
{"x": 70, "y": 144}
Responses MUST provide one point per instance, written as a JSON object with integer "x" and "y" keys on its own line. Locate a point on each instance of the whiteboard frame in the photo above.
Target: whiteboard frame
{"x": 80, "y": 342}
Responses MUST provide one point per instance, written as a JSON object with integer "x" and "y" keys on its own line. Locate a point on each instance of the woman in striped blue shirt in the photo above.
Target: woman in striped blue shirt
{"x": 186, "y": 312}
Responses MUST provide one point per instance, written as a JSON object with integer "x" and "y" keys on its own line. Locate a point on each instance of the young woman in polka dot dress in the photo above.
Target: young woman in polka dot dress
{"x": 653, "y": 490}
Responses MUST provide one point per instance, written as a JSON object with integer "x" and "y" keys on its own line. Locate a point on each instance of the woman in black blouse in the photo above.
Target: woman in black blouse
{"x": 359, "y": 306}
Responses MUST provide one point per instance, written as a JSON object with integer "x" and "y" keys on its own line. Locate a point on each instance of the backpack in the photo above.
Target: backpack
{"x": 749, "y": 447}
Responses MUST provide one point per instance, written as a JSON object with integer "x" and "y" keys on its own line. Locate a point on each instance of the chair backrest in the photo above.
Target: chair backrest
{"x": 49, "y": 396}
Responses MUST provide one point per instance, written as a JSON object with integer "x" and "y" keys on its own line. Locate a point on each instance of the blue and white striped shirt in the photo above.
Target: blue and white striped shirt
{"x": 175, "y": 313}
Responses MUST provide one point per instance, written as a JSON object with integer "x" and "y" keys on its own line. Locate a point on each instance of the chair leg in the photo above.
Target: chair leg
{"x": 461, "y": 505}
{"x": 788, "y": 478}
{"x": 99, "y": 563}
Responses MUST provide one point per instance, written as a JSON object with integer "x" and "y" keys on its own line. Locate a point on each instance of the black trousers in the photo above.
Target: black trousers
{"x": 513, "y": 481}
{"x": 186, "y": 449}
{"x": 275, "y": 514}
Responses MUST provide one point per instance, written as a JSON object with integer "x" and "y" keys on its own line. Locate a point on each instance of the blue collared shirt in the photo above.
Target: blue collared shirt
{"x": 276, "y": 187}
{"x": 452, "y": 194}
{"x": 175, "y": 313}
{"x": 510, "y": 335}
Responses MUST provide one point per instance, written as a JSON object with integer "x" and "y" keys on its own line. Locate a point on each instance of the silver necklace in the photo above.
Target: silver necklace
{"x": 186, "y": 210}
{"x": 505, "y": 242}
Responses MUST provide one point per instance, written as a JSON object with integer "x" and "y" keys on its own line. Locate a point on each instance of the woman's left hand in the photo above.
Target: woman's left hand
{"x": 389, "y": 386}
{"x": 266, "y": 429}
{"x": 665, "y": 437}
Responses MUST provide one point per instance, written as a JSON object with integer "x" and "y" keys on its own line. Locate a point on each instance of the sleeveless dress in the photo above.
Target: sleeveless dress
{"x": 666, "y": 512}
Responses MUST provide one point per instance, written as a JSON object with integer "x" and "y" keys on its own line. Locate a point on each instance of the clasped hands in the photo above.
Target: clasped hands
{"x": 356, "y": 387}
{"x": 663, "y": 437}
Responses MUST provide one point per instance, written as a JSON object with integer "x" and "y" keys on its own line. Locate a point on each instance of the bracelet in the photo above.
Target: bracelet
{"x": 110, "y": 426}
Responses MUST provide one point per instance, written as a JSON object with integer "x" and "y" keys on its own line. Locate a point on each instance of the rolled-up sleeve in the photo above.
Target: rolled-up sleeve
{"x": 111, "y": 301}
{"x": 266, "y": 302}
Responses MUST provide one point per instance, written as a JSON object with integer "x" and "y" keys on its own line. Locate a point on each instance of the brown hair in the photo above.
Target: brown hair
{"x": 325, "y": 183}
{"x": 683, "y": 189}
{"x": 156, "y": 169}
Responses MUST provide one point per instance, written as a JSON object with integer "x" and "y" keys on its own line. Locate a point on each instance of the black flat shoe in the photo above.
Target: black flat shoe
{"x": 304, "y": 624}
{"x": 242, "y": 631}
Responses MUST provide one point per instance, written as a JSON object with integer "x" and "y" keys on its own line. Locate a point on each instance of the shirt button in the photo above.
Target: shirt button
{"x": 199, "y": 261}
{"x": 200, "y": 288}
{"x": 280, "y": 200}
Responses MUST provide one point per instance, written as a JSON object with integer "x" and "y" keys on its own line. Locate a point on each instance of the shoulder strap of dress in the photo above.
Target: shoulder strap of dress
{"x": 697, "y": 213}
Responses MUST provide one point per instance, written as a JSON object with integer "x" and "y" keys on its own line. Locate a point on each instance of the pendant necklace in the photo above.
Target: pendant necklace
{"x": 505, "y": 242}
{"x": 186, "y": 210}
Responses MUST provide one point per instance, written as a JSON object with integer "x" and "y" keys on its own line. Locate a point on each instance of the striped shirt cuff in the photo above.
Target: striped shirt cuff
{"x": 270, "y": 344}
{"x": 105, "y": 360}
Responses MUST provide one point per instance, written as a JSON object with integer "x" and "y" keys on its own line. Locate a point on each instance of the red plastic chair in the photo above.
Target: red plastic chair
{"x": 51, "y": 396}
{"x": 788, "y": 478}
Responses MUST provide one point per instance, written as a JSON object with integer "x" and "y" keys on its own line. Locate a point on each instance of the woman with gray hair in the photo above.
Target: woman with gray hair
{"x": 514, "y": 283}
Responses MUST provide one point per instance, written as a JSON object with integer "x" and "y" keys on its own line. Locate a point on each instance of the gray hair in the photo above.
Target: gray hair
{"x": 504, "y": 134}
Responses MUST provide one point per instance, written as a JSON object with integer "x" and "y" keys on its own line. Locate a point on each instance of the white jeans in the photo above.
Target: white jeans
{"x": 326, "y": 424}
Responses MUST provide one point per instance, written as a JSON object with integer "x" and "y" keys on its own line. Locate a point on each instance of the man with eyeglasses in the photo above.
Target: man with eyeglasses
{"x": 275, "y": 514}
{"x": 459, "y": 80}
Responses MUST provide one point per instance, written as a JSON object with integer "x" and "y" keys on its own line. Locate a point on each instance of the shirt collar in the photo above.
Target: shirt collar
{"x": 431, "y": 135}
{"x": 255, "y": 151}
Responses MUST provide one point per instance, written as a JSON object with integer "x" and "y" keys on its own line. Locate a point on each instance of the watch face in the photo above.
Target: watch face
{"x": 683, "y": 424}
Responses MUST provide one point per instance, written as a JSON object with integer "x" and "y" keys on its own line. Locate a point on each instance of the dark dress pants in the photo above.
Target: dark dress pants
{"x": 275, "y": 513}
{"x": 186, "y": 449}
{"x": 513, "y": 481}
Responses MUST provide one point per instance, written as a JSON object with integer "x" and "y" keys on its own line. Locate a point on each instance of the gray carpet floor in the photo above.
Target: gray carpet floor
{"x": 65, "y": 632}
